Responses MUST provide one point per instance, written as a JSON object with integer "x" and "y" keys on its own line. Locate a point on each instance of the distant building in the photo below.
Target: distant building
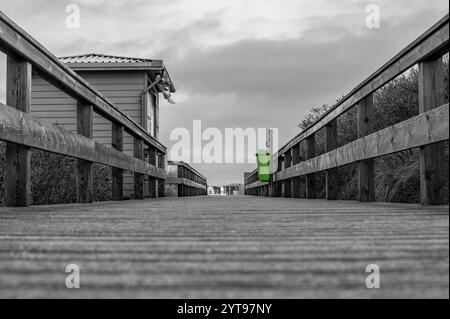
{"x": 214, "y": 190}
{"x": 132, "y": 84}
{"x": 234, "y": 189}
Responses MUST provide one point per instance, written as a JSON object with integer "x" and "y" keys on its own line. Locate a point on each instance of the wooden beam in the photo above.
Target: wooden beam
{"x": 288, "y": 183}
{"x": 21, "y": 128}
{"x": 331, "y": 186}
{"x": 117, "y": 173}
{"x": 161, "y": 188}
{"x": 15, "y": 40}
{"x": 296, "y": 182}
{"x": 434, "y": 41}
{"x": 138, "y": 177}
{"x": 366, "y": 174}
{"x": 426, "y": 128}
{"x": 152, "y": 181}
{"x": 311, "y": 178}
{"x": 18, "y": 172}
{"x": 432, "y": 157}
{"x": 184, "y": 181}
{"x": 85, "y": 172}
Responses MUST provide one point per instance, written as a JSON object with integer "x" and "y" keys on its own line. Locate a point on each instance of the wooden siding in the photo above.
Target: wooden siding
{"x": 122, "y": 88}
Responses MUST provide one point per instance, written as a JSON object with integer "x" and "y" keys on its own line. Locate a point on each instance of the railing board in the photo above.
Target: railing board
{"x": 15, "y": 40}
{"x": 255, "y": 184}
{"x": 425, "y": 128}
{"x": 20, "y": 128}
{"x": 184, "y": 181}
{"x": 433, "y": 41}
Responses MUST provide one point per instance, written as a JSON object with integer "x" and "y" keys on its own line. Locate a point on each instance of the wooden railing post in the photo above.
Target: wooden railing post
{"x": 152, "y": 181}
{"x": 366, "y": 179}
{"x": 85, "y": 173}
{"x": 138, "y": 177}
{"x": 161, "y": 182}
{"x": 117, "y": 173}
{"x": 17, "y": 175}
{"x": 330, "y": 175}
{"x": 311, "y": 178}
{"x": 431, "y": 95}
{"x": 288, "y": 182}
{"x": 296, "y": 180}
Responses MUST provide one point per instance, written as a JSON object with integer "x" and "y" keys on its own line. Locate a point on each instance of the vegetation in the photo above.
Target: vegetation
{"x": 53, "y": 178}
{"x": 396, "y": 175}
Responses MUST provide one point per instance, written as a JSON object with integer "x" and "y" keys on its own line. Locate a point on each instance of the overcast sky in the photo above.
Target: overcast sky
{"x": 236, "y": 63}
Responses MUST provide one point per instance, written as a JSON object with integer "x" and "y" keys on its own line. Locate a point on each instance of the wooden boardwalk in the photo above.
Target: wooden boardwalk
{"x": 225, "y": 247}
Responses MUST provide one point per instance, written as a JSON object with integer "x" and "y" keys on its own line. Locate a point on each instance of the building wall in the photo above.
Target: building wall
{"x": 123, "y": 88}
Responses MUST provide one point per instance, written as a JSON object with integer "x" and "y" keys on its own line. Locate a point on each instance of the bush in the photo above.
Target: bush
{"x": 397, "y": 176}
{"x": 53, "y": 178}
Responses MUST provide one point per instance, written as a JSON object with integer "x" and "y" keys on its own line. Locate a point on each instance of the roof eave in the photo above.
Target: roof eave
{"x": 155, "y": 64}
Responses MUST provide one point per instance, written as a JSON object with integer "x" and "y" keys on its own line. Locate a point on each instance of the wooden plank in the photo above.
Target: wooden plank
{"x": 434, "y": 41}
{"x": 296, "y": 183}
{"x": 21, "y": 128}
{"x": 15, "y": 40}
{"x": 225, "y": 247}
{"x": 152, "y": 187}
{"x": 255, "y": 184}
{"x": 184, "y": 181}
{"x": 311, "y": 178}
{"x": 85, "y": 173}
{"x": 18, "y": 157}
{"x": 117, "y": 173}
{"x": 426, "y": 128}
{"x": 432, "y": 157}
{"x": 366, "y": 173}
{"x": 331, "y": 183}
{"x": 161, "y": 188}
{"x": 138, "y": 177}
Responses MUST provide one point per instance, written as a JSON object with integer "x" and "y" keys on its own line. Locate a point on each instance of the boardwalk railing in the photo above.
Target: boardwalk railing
{"x": 22, "y": 132}
{"x": 186, "y": 180}
{"x": 423, "y": 131}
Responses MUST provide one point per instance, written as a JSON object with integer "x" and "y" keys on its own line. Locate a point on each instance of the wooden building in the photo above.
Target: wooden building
{"x": 134, "y": 85}
{"x": 183, "y": 180}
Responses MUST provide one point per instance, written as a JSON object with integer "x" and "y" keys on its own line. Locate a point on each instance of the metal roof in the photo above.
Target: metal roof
{"x": 102, "y": 62}
{"x": 101, "y": 58}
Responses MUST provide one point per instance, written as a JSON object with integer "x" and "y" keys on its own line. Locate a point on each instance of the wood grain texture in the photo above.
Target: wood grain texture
{"x": 423, "y": 129}
{"x": 21, "y": 128}
{"x": 18, "y": 157}
{"x": 138, "y": 177}
{"x": 366, "y": 168}
{"x": 185, "y": 181}
{"x": 117, "y": 173}
{"x": 331, "y": 182}
{"x": 85, "y": 173}
{"x": 311, "y": 178}
{"x": 15, "y": 40}
{"x": 432, "y": 157}
{"x": 432, "y": 42}
{"x": 225, "y": 247}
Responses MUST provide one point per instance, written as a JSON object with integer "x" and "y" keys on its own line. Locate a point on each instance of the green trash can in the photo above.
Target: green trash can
{"x": 263, "y": 162}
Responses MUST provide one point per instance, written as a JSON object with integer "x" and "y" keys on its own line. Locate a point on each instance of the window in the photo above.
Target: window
{"x": 150, "y": 116}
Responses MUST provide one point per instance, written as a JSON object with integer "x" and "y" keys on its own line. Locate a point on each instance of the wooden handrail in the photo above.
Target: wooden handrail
{"x": 434, "y": 41}
{"x": 189, "y": 167}
{"x": 22, "y": 132}
{"x": 21, "y": 128}
{"x": 14, "y": 40}
{"x": 424, "y": 131}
